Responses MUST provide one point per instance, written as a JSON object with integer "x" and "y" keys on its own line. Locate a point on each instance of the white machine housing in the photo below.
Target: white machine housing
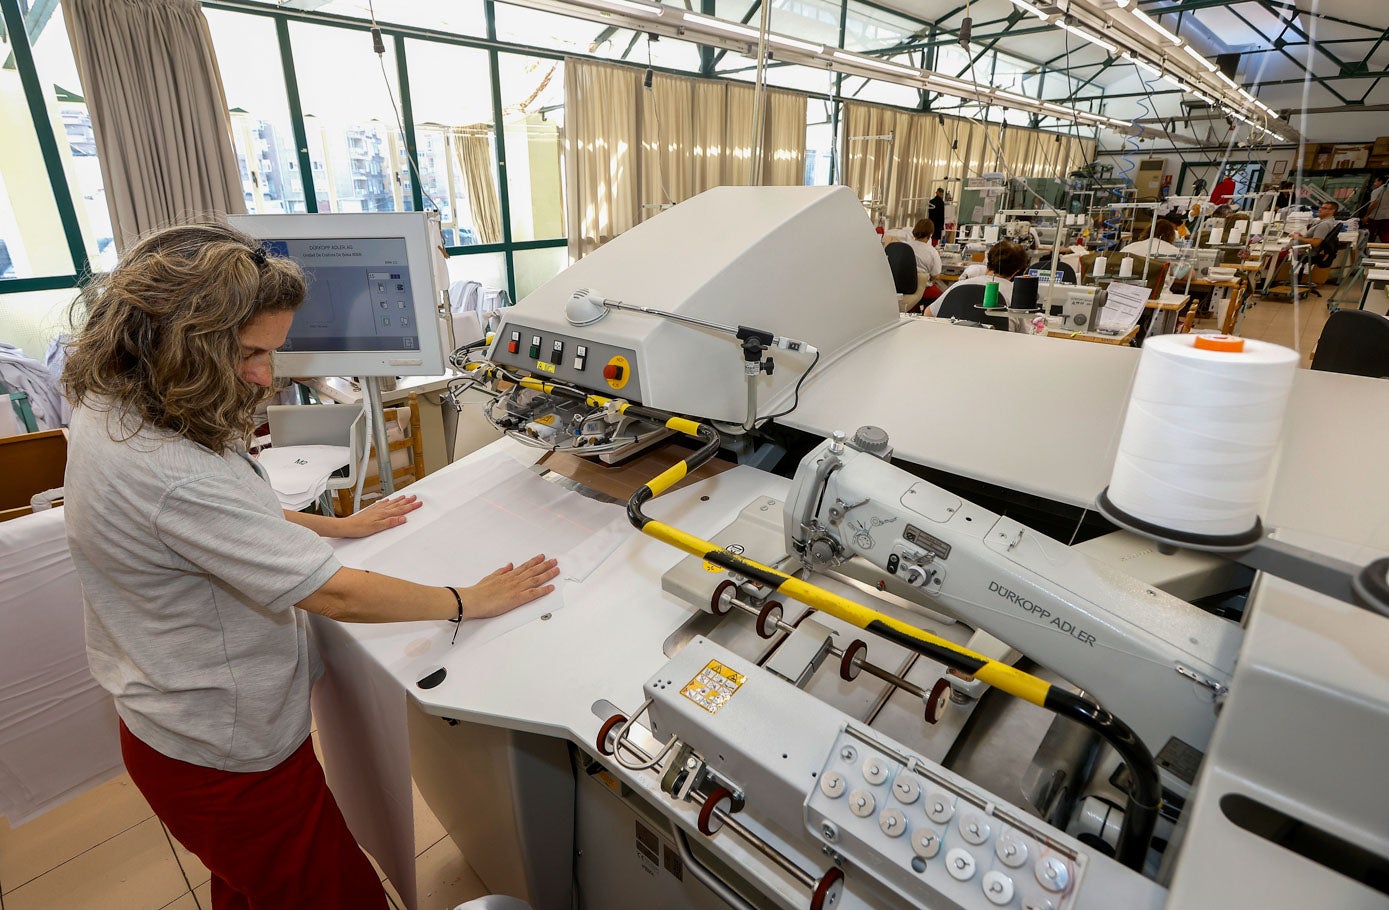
{"x": 1157, "y": 662}
{"x": 1079, "y": 305}
{"x": 715, "y": 258}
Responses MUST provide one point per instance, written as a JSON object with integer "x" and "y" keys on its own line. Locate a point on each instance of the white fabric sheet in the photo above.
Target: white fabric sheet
{"x": 58, "y": 733}
{"x": 478, "y": 514}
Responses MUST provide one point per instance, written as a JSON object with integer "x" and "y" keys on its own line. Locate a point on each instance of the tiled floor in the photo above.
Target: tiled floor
{"x": 105, "y": 850}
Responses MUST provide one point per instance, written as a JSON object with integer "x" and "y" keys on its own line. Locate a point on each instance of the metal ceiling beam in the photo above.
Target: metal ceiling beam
{"x": 1153, "y": 6}
{"x": 1073, "y": 95}
{"x": 1290, "y": 24}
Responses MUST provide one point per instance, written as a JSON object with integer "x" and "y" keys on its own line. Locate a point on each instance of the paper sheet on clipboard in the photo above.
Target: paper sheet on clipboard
{"x": 1122, "y": 308}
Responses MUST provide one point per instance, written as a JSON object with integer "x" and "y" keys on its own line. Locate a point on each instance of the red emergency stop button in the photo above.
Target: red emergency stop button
{"x": 612, "y": 371}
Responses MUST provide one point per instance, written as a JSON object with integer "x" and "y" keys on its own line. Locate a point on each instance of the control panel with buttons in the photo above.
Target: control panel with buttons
{"x": 602, "y": 368}
{"x": 932, "y": 836}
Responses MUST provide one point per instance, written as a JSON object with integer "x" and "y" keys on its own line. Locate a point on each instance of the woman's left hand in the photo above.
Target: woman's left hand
{"x": 379, "y": 516}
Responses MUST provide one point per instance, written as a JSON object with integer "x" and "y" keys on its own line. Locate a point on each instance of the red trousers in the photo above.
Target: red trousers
{"x": 272, "y": 839}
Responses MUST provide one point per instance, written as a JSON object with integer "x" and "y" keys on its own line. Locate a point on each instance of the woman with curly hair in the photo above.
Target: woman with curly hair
{"x": 195, "y": 582}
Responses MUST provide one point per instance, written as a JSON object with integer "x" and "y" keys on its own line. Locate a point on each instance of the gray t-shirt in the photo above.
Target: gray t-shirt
{"x": 190, "y": 573}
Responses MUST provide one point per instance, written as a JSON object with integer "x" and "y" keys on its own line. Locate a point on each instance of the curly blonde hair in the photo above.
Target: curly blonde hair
{"x": 161, "y": 339}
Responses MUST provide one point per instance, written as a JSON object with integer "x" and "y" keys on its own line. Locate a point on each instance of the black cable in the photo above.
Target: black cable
{"x": 378, "y": 46}
{"x": 795, "y": 396}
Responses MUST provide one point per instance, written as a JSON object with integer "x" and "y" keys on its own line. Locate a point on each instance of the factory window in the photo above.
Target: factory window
{"x": 579, "y": 36}
{"x": 868, "y": 28}
{"x": 535, "y": 267}
{"x": 459, "y": 17}
{"x": 819, "y": 142}
{"x": 72, "y": 123}
{"x": 533, "y": 129}
{"x": 451, "y": 103}
{"x": 350, "y": 97}
{"x": 812, "y": 20}
{"x": 260, "y": 122}
{"x": 31, "y": 232}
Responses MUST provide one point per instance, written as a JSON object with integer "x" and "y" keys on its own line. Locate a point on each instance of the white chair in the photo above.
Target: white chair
{"x": 323, "y": 425}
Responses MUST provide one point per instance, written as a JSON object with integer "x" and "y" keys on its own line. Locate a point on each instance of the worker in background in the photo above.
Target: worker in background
{"x": 196, "y": 585}
{"x": 1377, "y": 212}
{"x": 1317, "y": 236}
{"x": 927, "y": 259}
{"x": 936, "y": 212}
{"x": 1160, "y": 241}
{"x": 1224, "y": 189}
{"x": 1284, "y": 197}
{"x": 1003, "y": 262}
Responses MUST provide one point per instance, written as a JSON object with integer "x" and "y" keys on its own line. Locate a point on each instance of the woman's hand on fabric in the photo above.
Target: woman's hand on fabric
{"x": 509, "y": 587}
{"x": 381, "y": 515}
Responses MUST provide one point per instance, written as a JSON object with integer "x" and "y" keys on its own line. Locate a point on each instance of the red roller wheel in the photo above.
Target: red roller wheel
{"x": 937, "y": 701}
{"x": 768, "y": 617}
{"x": 826, "y": 894}
{"x": 716, "y": 603}
{"x": 606, "y": 730}
{"x": 853, "y": 656}
{"x": 706, "y": 811}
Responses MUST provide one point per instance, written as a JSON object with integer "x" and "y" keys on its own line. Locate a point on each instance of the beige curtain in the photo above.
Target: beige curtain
{"x": 895, "y": 159}
{"x": 783, "y": 148}
{"x": 472, "y": 146}
{"x": 602, "y": 135}
{"x": 154, "y": 92}
{"x": 686, "y": 136}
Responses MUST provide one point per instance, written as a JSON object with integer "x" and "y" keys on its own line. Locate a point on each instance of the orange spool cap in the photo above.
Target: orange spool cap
{"x": 1225, "y": 343}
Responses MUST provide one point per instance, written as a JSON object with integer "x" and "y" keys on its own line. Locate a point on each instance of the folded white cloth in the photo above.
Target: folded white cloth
{"x": 299, "y": 474}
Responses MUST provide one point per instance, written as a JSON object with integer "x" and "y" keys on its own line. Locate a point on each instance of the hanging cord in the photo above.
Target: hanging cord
{"x": 378, "y": 46}
{"x": 647, "y": 79}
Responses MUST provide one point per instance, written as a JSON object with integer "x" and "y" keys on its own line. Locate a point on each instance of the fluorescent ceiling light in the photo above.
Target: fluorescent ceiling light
{"x": 1155, "y": 25}
{"x": 795, "y": 44}
{"x": 1195, "y": 55}
{"x": 1081, "y": 33}
{"x": 936, "y": 80}
{"x": 1047, "y": 105}
{"x": 736, "y": 29}
{"x": 626, "y": 6}
{"x": 1009, "y": 96}
{"x": 872, "y": 63}
{"x": 1227, "y": 80}
{"x": 1157, "y": 74}
{"x": 1029, "y": 8}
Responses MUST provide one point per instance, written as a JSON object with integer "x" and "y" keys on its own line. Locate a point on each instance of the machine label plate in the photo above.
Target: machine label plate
{"x": 713, "y": 687}
{"x": 930, "y": 542}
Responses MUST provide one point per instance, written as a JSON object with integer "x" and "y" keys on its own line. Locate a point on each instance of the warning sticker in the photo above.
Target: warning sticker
{"x": 713, "y": 687}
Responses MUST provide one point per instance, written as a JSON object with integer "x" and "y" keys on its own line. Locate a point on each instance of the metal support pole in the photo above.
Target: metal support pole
{"x": 371, "y": 387}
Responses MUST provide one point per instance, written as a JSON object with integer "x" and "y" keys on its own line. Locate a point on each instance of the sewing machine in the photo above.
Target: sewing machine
{"x": 701, "y": 739}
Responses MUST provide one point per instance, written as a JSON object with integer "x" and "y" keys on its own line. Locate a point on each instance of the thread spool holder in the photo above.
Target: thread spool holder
{"x": 1363, "y": 586}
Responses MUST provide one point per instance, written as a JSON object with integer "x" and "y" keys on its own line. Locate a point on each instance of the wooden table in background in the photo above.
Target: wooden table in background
{"x": 1098, "y": 339}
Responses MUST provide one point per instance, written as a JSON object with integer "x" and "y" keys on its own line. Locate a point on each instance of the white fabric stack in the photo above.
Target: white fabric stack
{"x": 300, "y": 474}
{"x": 57, "y": 726}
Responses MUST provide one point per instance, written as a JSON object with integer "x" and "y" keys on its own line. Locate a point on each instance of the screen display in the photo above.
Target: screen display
{"x": 359, "y": 295}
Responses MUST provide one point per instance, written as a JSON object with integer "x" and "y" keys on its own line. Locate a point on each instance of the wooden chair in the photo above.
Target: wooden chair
{"x": 30, "y": 464}
{"x": 403, "y": 476}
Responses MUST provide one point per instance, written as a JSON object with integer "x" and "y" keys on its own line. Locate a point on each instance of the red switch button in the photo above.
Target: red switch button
{"x": 512, "y": 347}
{"x": 612, "y": 371}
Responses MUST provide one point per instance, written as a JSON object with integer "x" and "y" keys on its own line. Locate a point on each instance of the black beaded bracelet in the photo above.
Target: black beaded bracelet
{"x": 458, "y": 620}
